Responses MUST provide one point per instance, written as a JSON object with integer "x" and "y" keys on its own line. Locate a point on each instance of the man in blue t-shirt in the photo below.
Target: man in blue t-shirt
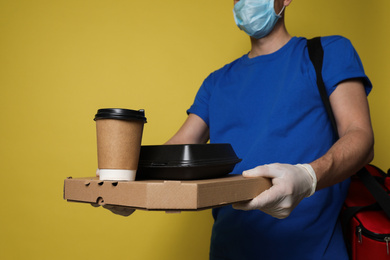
{"x": 266, "y": 104}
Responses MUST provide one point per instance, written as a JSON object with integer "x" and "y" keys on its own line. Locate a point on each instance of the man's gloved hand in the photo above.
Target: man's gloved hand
{"x": 291, "y": 184}
{"x": 118, "y": 210}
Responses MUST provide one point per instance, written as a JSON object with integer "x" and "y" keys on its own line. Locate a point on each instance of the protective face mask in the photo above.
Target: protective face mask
{"x": 256, "y": 17}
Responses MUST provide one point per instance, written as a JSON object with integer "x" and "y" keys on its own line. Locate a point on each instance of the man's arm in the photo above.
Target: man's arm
{"x": 355, "y": 148}
{"x": 193, "y": 131}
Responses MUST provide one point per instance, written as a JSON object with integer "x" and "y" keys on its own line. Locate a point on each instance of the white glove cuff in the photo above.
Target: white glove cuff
{"x": 313, "y": 175}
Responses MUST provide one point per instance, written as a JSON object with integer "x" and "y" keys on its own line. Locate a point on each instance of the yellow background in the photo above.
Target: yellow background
{"x": 61, "y": 60}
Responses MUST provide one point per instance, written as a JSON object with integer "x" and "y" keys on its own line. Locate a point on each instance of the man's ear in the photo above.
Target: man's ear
{"x": 287, "y": 2}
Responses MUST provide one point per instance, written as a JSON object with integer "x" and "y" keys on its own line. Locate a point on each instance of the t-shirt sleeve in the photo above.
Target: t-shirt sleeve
{"x": 341, "y": 62}
{"x": 200, "y": 107}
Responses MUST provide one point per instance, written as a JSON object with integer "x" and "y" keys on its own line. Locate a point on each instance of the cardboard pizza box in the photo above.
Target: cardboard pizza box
{"x": 165, "y": 195}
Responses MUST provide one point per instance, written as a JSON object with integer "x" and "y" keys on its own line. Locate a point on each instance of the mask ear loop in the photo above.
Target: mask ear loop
{"x": 281, "y": 11}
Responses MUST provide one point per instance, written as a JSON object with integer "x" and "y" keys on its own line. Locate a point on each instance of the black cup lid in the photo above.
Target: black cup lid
{"x": 121, "y": 114}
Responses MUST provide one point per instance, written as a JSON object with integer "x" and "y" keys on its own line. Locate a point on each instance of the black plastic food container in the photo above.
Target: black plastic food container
{"x": 186, "y": 162}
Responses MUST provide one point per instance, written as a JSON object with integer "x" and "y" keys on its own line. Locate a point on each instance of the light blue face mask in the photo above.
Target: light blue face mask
{"x": 256, "y": 17}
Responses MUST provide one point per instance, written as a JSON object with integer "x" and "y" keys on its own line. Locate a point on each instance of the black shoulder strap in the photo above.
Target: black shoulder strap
{"x": 375, "y": 189}
{"x": 316, "y": 54}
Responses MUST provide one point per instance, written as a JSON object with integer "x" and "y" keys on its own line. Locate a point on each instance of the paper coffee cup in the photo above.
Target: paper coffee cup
{"x": 119, "y": 136}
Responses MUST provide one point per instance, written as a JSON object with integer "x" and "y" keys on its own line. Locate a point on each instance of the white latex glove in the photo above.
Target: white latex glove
{"x": 290, "y": 184}
{"x": 118, "y": 210}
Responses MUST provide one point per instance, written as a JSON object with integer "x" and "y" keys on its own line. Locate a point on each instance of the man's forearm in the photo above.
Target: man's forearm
{"x": 350, "y": 153}
{"x": 193, "y": 131}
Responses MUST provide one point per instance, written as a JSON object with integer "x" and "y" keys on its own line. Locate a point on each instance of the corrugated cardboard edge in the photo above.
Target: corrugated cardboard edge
{"x": 226, "y": 192}
{"x": 166, "y": 195}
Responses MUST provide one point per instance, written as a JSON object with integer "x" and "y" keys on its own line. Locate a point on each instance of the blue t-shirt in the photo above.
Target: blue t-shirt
{"x": 269, "y": 109}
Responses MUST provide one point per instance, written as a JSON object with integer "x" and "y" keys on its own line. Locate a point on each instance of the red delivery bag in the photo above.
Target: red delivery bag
{"x": 366, "y": 215}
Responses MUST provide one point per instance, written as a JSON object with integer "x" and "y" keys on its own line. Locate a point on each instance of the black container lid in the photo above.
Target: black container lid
{"x": 185, "y": 155}
{"x": 121, "y": 114}
{"x": 186, "y": 162}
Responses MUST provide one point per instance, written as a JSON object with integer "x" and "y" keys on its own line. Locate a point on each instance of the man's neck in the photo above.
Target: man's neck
{"x": 271, "y": 43}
